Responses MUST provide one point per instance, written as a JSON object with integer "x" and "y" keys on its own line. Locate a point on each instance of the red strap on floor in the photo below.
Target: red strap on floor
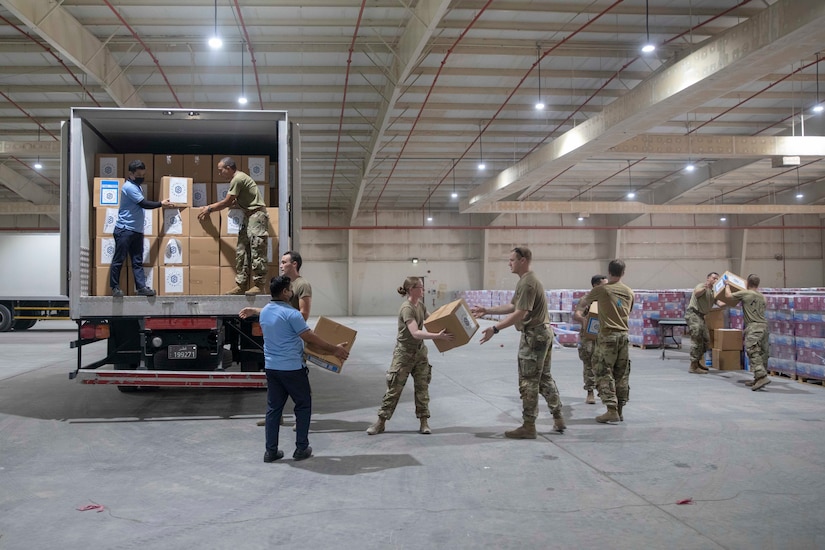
{"x": 685, "y": 501}
{"x": 95, "y": 507}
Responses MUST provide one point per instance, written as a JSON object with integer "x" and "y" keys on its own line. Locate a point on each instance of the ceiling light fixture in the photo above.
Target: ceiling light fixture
{"x": 242, "y": 100}
{"x": 540, "y": 103}
{"x": 215, "y": 41}
{"x": 37, "y": 165}
{"x": 799, "y": 194}
{"x": 818, "y": 108}
{"x": 630, "y": 194}
{"x": 429, "y": 212}
{"x": 723, "y": 218}
{"x": 415, "y": 260}
{"x": 481, "y": 165}
{"x": 649, "y": 46}
{"x": 454, "y": 194}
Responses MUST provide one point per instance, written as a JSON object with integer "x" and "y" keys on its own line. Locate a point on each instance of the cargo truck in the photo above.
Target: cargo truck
{"x": 192, "y": 340}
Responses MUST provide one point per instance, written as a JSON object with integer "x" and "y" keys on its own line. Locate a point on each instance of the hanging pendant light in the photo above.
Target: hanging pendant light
{"x": 818, "y": 107}
{"x": 630, "y": 194}
{"x": 539, "y": 103}
{"x": 481, "y": 165}
{"x": 215, "y": 41}
{"x": 454, "y": 194}
{"x": 648, "y": 46}
{"x": 37, "y": 165}
{"x": 242, "y": 100}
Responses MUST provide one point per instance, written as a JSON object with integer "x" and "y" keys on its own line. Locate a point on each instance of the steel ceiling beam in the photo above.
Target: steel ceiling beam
{"x": 71, "y": 39}
{"x": 789, "y": 29}
{"x": 29, "y": 191}
{"x": 670, "y": 146}
{"x": 43, "y": 148}
{"x": 423, "y": 23}
{"x": 633, "y": 207}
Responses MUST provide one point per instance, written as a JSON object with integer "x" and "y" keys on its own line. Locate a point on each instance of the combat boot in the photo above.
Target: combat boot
{"x": 254, "y": 291}
{"x": 695, "y": 368}
{"x": 425, "y": 427}
{"x": 558, "y": 423}
{"x": 378, "y": 427}
{"x": 525, "y": 431}
{"x": 619, "y": 410}
{"x": 612, "y": 415}
{"x": 591, "y": 399}
{"x": 760, "y": 383}
{"x": 237, "y": 291}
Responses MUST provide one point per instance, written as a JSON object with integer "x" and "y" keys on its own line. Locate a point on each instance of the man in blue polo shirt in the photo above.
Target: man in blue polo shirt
{"x": 128, "y": 232}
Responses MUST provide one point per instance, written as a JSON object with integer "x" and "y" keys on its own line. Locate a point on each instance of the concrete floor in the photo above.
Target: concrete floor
{"x": 182, "y": 468}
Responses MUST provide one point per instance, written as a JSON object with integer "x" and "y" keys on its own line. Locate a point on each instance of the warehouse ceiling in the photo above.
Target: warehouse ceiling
{"x": 399, "y": 101}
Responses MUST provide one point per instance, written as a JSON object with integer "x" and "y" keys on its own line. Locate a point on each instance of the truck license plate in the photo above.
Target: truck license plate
{"x": 186, "y": 351}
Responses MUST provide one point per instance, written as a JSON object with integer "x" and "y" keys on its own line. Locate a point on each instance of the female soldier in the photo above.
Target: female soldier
{"x": 409, "y": 357}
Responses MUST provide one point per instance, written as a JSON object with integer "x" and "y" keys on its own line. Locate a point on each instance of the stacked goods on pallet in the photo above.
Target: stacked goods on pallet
{"x": 480, "y": 298}
{"x": 643, "y": 322}
{"x": 809, "y": 331}
{"x": 779, "y": 314}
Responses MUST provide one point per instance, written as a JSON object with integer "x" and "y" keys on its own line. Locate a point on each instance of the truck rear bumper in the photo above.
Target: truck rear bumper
{"x": 173, "y": 378}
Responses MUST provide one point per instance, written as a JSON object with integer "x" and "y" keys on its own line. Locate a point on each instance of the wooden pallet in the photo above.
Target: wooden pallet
{"x": 782, "y": 374}
{"x": 648, "y": 346}
{"x": 813, "y": 381}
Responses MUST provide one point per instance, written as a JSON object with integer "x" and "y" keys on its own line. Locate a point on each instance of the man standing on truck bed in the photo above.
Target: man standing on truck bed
{"x": 250, "y": 254}
{"x": 128, "y": 231}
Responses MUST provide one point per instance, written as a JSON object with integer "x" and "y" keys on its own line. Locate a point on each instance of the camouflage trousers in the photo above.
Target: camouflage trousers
{"x": 699, "y": 336}
{"x": 757, "y": 348}
{"x": 534, "y": 379}
{"x": 406, "y": 363}
{"x": 250, "y": 254}
{"x": 612, "y": 365}
{"x": 586, "y": 355}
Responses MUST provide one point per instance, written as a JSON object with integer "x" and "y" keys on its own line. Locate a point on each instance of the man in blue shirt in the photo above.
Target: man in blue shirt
{"x": 128, "y": 232}
{"x": 285, "y": 331}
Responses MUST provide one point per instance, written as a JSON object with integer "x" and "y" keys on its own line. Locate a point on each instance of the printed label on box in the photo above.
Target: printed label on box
{"x": 172, "y": 222}
{"x": 466, "y": 319}
{"x": 234, "y": 221}
{"x": 592, "y": 326}
{"x": 146, "y": 251}
{"x": 109, "y": 193}
{"x": 108, "y": 167}
{"x": 173, "y": 254}
{"x": 323, "y": 364}
{"x": 199, "y": 194}
{"x": 257, "y": 168}
{"x": 178, "y": 190}
{"x": 221, "y": 189}
{"x": 107, "y": 250}
{"x": 148, "y": 222}
{"x": 173, "y": 282}
{"x": 109, "y": 222}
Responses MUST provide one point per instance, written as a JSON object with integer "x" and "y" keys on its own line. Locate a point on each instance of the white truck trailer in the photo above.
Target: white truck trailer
{"x": 196, "y": 341}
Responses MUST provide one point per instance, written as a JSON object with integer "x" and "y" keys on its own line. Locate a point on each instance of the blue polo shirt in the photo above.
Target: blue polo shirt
{"x": 282, "y": 326}
{"x": 130, "y": 215}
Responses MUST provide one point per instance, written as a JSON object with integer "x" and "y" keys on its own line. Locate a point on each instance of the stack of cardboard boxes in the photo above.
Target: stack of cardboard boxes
{"x": 727, "y": 349}
{"x": 182, "y": 254}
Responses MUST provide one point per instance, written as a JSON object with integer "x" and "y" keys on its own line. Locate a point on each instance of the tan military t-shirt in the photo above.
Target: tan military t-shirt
{"x": 703, "y": 303}
{"x": 753, "y": 305}
{"x": 615, "y": 302}
{"x": 300, "y": 289}
{"x": 245, "y": 191}
{"x": 529, "y": 296}
{"x": 407, "y": 313}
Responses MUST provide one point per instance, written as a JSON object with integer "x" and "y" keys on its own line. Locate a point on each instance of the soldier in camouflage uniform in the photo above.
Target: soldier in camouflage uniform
{"x": 611, "y": 359}
{"x": 756, "y": 329}
{"x": 528, "y": 313}
{"x": 587, "y": 345}
{"x": 409, "y": 358}
{"x": 701, "y": 302}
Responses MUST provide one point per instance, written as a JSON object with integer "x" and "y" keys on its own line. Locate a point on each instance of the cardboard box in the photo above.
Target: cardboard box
{"x": 256, "y": 167}
{"x": 106, "y": 192}
{"x": 591, "y": 322}
{"x": 174, "y": 251}
{"x": 151, "y": 226}
{"x": 231, "y": 221}
{"x": 715, "y": 318}
{"x": 174, "y": 281}
{"x": 226, "y": 252}
{"x": 728, "y": 339}
{"x": 105, "y": 219}
{"x": 734, "y": 281}
{"x": 148, "y": 160}
{"x": 149, "y": 275}
{"x": 203, "y": 251}
{"x": 273, "y": 196}
{"x": 175, "y": 221}
{"x": 198, "y": 167}
{"x": 201, "y": 194}
{"x": 204, "y": 281}
{"x": 456, "y": 319}
{"x": 333, "y": 333}
{"x": 104, "y": 251}
{"x": 151, "y": 246}
{"x": 219, "y": 191}
{"x": 101, "y": 281}
{"x": 176, "y": 189}
{"x": 208, "y": 227}
{"x": 168, "y": 165}
{"x": 727, "y": 359}
{"x": 227, "y": 279}
{"x": 109, "y": 166}
{"x": 272, "y": 228}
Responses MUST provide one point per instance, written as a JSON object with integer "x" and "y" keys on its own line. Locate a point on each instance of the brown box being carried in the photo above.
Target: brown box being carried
{"x": 733, "y": 280}
{"x": 178, "y": 190}
{"x": 456, "y": 319}
{"x": 591, "y": 322}
{"x": 727, "y": 359}
{"x": 727, "y": 339}
{"x": 335, "y": 334}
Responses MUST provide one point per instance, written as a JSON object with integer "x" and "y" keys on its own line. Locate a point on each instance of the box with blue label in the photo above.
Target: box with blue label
{"x": 106, "y": 192}
{"x": 591, "y": 322}
{"x": 734, "y": 281}
{"x": 457, "y": 320}
{"x": 335, "y": 334}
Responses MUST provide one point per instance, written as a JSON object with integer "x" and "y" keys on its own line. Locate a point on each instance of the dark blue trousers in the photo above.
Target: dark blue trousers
{"x": 127, "y": 243}
{"x": 281, "y": 384}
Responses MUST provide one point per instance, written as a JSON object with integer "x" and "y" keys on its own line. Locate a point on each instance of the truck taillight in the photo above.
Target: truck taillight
{"x": 256, "y": 329}
{"x": 102, "y": 331}
{"x": 99, "y": 331}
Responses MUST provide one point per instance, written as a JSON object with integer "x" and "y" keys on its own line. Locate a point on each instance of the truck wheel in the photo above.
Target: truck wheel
{"x": 6, "y": 318}
{"x": 23, "y": 324}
